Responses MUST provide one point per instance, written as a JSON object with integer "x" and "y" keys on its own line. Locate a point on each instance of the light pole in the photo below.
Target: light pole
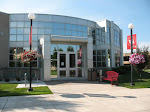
{"x": 131, "y": 26}
{"x": 31, "y": 16}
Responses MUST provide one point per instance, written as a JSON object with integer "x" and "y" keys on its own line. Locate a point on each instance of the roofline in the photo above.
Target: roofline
{"x": 3, "y": 12}
{"x": 56, "y": 15}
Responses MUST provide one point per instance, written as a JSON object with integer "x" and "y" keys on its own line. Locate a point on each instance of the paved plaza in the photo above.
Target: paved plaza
{"x": 80, "y": 96}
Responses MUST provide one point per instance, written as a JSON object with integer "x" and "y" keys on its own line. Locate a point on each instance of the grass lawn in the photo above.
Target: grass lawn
{"x": 147, "y": 70}
{"x": 11, "y": 90}
{"x": 142, "y": 81}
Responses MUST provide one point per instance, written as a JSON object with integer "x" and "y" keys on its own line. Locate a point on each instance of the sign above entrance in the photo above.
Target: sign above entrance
{"x": 129, "y": 42}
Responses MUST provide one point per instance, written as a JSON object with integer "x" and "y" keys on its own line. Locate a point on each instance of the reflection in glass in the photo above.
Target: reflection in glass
{"x": 19, "y": 30}
{"x": 12, "y": 64}
{"x": 62, "y": 47}
{"x": 74, "y": 27}
{"x": 19, "y": 50}
{"x": 72, "y": 60}
{"x": 62, "y": 61}
{"x": 68, "y": 32}
{"x": 74, "y": 33}
{"x": 71, "y": 48}
{"x": 12, "y": 57}
{"x": 79, "y": 72}
{"x": 13, "y": 50}
{"x": 13, "y": 24}
{"x": 26, "y": 64}
{"x": 12, "y": 37}
{"x": 19, "y": 37}
{"x": 79, "y": 28}
{"x": 53, "y": 55}
{"x": 13, "y": 31}
{"x": 53, "y": 72}
{"x": 19, "y": 64}
{"x": 20, "y": 24}
{"x": 53, "y": 47}
{"x": 62, "y": 74}
{"x": 34, "y": 64}
{"x": 68, "y": 26}
{"x": 72, "y": 73}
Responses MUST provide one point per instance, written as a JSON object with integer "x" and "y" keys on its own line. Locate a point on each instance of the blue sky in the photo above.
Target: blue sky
{"x": 122, "y": 12}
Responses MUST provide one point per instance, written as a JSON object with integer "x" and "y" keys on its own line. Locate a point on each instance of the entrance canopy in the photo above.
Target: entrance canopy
{"x": 57, "y": 38}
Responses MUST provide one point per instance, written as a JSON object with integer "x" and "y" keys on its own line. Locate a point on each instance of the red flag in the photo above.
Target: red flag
{"x": 30, "y": 37}
{"x": 133, "y": 41}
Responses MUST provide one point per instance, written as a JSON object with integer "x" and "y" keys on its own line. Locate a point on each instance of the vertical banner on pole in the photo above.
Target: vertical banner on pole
{"x": 129, "y": 42}
{"x": 30, "y": 37}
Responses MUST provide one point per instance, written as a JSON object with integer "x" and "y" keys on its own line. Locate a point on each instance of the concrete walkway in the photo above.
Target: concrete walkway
{"x": 80, "y": 96}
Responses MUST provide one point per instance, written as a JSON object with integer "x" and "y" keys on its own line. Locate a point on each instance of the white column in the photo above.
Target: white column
{"x": 45, "y": 42}
{"x": 89, "y": 54}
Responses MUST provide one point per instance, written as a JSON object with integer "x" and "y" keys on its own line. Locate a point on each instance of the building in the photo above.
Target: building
{"x": 69, "y": 46}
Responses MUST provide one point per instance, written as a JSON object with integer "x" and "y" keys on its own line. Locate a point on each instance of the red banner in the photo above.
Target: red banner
{"x": 133, "y": 42}
{"x": 30, "y": 37}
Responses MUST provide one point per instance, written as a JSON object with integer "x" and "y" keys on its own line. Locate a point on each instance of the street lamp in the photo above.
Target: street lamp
{"x": 131, "y": 26}
{"x": 31, "y": 16}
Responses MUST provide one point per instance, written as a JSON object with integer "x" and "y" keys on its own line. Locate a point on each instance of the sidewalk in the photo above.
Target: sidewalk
{"x": 80, "y": 96}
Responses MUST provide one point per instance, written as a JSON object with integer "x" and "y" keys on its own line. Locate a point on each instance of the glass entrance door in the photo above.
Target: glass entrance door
{"x": 67, "y": 65}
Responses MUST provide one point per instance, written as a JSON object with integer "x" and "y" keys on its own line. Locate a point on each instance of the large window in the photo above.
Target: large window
{"x": 117, "y": 38}
{"x": 15, "y": 57}
{"x": 98, "y": 36}
{"x": 108, "y": 35}
{"x": 117, "y": 58}
{"x": 99, "y": 58}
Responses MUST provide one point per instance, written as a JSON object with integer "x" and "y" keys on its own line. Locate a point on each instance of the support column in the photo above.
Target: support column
{"x": 45, "y": 42}
{"x": 89, "y": 54}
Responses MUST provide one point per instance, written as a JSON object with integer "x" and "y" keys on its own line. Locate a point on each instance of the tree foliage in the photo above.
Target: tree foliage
{"x": 145, "y": 52}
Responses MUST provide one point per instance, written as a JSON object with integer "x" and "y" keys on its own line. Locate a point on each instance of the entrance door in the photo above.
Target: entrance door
{"x": 67, "y": 65}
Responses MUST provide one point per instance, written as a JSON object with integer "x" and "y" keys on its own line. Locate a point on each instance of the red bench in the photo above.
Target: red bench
{"x": 111, "y": 76}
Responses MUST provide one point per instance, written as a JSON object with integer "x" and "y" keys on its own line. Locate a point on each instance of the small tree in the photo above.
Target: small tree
{"x": 145, "y": 52}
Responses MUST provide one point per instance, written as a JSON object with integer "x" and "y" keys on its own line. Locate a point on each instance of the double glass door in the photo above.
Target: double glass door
{"x": 67, "y": 65}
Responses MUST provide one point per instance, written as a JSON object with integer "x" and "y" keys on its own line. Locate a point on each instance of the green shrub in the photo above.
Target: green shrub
{"x": 122, "y": 69}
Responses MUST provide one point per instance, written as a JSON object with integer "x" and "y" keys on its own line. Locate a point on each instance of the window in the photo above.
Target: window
{"x": 12, "y": 37}
{"x": 117, "y": 58}
{"x": 19, "y": 37}
{"x": 13, "y": 24}
{"x": 19, "y": 30}
{"x": 99, "y": 58}
{"x": 68, "y": 26}
{"x": 117, "y": 38}
{"x": 79, "y": 28}
{"x": 20, "y": 24}
{"x": 74, "y": 27}
{"x": 13, "y": 31}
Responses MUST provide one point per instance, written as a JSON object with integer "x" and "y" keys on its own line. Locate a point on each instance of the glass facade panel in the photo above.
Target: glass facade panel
{"x": 20, "y": 24}
{"x": 71, "y": 48}
{"x": 13, "y": 38}
{"x": 27, "y": 24}
{"x": 74, "y": 27}
{"x": 13, "y": 24}
{"x": 19, "y": 37}
{"x": 79, "y": 28}
{"x": 68, "y": 33}
{"x": 13, "y": 31}
{"x": 68, "y": 26}
{"x": 74, "y": 33}
{"x": 62, "y": 47}
{"x": 53, "y": 47}
{"x": 19, "y": 30}
{"x": 26, "y": 37}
